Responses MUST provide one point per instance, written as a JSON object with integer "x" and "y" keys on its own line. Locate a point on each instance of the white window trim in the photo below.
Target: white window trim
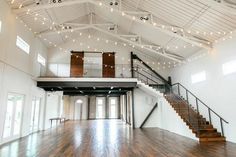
{"x": 23, "y": 45}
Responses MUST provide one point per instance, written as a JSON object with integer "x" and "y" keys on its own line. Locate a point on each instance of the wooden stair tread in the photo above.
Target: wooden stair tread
{"x": 212, "y": 139}
{"x": 197, "y": 123}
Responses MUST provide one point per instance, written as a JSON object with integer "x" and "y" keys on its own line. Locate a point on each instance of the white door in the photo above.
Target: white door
{"x": 100, "y": 108}
{"x": 113, "y": 107}
{"x": 13, "y": 117}
{"x": 35, "y": 110}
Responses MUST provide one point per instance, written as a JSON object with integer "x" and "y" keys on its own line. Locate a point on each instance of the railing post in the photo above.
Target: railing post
{"x": 187, "y": 96}
{"x": 209, "y": 112}
{"x": 197, "y": 105}
{"x": 178, "y": 90}
{"x": 222, "y": 127}
{"x": 132, "y": 64}
{"x": 188, "y": 115}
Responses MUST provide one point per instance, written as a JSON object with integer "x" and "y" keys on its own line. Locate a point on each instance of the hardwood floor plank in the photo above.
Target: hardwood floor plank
{"x": 111, "y": 138}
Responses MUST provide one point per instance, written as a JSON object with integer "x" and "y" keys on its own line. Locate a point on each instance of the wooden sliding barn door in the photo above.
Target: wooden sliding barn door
{"x": 77, "y": 64}
{"x": 108, "y": 69}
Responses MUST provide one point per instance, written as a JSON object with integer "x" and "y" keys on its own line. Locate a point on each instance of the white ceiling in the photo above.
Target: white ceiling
{"x": 177, "y": 27}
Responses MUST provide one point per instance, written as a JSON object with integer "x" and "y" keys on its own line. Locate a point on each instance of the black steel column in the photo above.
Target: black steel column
{"x": 132, "y": 65}
{"x": 88, "y": 107}
{"x": 132, "y": 92}
{"x": 126, "y": 108}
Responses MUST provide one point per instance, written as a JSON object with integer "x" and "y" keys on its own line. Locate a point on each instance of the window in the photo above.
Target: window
{"x": 100, "y": 101}
{"x": 113, "y": 101}
{"x": 199, "y": 77}
{"x": 13, "y": 116}
{"x": 22, "y": 44}
{"x": 41, "y": 60}
{"x": 0, "y": 26}
{"x": 229, "y": 67}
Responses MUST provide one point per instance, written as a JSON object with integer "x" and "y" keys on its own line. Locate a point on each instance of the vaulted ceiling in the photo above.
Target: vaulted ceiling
{"x": 170, "y": 29}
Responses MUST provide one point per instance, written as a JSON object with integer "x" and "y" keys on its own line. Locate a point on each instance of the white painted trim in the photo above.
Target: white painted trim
{"x": 87, "y": 79}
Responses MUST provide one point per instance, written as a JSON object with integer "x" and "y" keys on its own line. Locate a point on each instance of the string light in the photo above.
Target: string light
{"x": 163, "y": 26}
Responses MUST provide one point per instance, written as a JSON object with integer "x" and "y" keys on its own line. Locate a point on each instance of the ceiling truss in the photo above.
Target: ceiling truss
{"x": 176, "y": 32}
{"x": 157, "y": 49}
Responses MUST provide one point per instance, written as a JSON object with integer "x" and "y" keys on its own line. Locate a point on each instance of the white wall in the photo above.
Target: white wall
{"x": 218, "y": 91}
{"x": 52, "y": 108}
{"x": 163, "y": 117}
{"x": 18, "y": 69}
{"x": 59, "y": 61}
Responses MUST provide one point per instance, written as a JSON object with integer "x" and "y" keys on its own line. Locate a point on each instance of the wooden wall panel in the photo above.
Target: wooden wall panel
{"x": 108, "y": 69}
{"x": 77, "y": 64}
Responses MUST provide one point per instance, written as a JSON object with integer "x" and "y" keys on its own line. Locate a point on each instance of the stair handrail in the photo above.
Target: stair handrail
{"x": 136, "y": 69}
{"x": 146, "y": 77}
{"x": 134, "y": 56}
{"x": 198, "y": 100}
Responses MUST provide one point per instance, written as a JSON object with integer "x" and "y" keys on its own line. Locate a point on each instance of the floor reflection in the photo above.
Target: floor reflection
{"x": 108, "y": 138}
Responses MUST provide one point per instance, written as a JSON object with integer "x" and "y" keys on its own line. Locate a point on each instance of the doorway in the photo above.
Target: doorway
{"x": 113, "y": 108}
{"x": 35, "y": 111}
{"x": 13, "y": 117}
{"x": 100, "y": 107}
{"x": 78, "y": 109}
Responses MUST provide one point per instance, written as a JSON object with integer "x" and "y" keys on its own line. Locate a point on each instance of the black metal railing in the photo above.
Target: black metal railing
{"x": 91, "y": 70}
{"x": 145, "y": 73}
{"x": 196, "y": 104}
{"x": 191, "y": 112}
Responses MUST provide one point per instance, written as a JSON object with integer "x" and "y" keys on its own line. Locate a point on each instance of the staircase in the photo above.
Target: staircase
{"x": 179, "y": 97}
{"x": 195, "y": 121}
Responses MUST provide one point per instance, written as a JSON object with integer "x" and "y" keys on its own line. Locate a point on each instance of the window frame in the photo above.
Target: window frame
{"x": 22, "y": 44}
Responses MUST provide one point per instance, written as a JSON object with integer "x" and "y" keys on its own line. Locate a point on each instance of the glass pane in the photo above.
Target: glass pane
{"x": 92, "y": 64}
{"x": 8, "y": 118}
{"x": 113, "y": 101}
{"x": 18, "y": 114}
{"x": 100, "y": 101}
{"x": 99, "y": 111}
{"x": 113, "y": 111}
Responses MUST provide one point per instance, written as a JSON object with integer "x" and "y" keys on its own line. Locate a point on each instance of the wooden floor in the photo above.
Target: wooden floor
{"x": 111, "y": 138}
